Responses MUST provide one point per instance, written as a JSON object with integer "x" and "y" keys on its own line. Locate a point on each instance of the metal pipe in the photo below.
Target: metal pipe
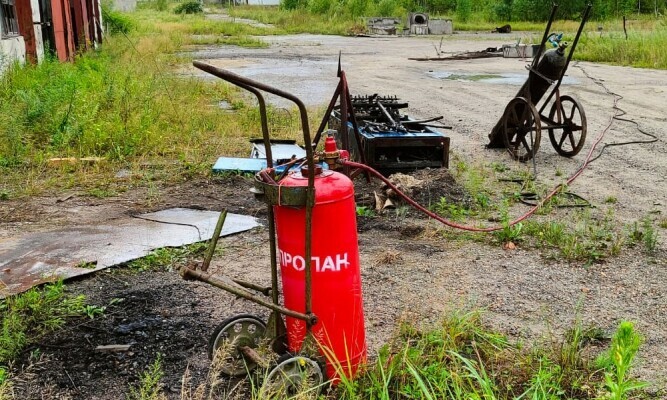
{"x": 249, "y": 285}
{"x": 327, "y": 114}
{"x": 310, "y": 193}
{"x": 262, "y": 114}
{"x": 231, "y": 287}
{"x": 214, "y": 240}
{"x": 344, "y": 114}
{"x": 422, "y": 121}
{"x": 386, "y": 113}
{"x": 274, "y": 255}
{"x": 355, "y": 127}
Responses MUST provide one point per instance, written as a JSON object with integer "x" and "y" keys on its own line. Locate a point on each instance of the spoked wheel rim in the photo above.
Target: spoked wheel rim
{"x": 234, "y": 333}
{"x": 569, "y": 140}
{"x": 293, "y": 376}
{"x": 522, "y": 129}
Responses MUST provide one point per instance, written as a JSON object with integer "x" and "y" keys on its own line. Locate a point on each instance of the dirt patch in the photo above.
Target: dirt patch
{"x": 426, "y": 187}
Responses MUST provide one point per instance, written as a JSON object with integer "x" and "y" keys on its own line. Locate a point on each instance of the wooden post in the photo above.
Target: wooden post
{"x": 26, "y": 28}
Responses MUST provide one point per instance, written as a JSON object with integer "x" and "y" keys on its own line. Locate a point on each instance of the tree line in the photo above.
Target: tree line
{"x": 491, "y": 10}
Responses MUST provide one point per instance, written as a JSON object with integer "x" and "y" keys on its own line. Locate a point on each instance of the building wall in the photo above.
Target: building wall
{"x": 264, "y": 2}
{"x": 11, "y": 50}
{"x": 36, "y": 19}
{"x": 124, "y": 5}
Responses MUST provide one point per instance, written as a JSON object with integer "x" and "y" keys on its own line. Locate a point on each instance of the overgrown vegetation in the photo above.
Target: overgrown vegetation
{"x": 487, "y": 10}
{"x": 603, "y": 40}
{"x": 28, "y": 316}
{"x": 463, "y": 359}
{"x": 6, "y": 391}
{"x": 125, "y": 105}
{"x": 460, "y": 358}
{"x": 189, "y": 7}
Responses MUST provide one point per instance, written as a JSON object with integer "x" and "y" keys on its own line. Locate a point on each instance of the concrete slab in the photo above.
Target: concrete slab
{"x": 30, "y": 260}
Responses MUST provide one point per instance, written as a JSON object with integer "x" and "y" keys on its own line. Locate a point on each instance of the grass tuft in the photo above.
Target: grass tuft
{"x": 150, "y": 385}
{"x": 26, "y": 317}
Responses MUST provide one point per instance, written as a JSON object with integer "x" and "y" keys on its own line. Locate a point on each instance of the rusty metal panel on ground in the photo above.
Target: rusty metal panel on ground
{"x": 36, "y": 258}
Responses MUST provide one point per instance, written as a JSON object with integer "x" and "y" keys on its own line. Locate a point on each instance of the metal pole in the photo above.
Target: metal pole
{"x": 327, "y": 114}
{"x": 310, "y": 161}
{"x": 214, "y": 240}
{"x": 231, "y": 287}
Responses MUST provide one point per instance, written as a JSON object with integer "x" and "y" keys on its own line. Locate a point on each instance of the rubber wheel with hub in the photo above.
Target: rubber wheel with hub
{"x": 293, "y": 377}
{"x": 230, "y": 336}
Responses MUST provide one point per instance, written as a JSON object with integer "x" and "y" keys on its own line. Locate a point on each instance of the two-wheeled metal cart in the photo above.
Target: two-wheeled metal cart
{"x": 519, "y": 130}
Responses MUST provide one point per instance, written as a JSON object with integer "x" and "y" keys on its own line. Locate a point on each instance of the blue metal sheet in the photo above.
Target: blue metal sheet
{"x": 236, "y": 164}
{"x": 247, "y": 165}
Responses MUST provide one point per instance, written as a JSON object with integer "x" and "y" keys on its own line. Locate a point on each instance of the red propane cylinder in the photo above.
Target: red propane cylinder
{"x": 335, "y": 277}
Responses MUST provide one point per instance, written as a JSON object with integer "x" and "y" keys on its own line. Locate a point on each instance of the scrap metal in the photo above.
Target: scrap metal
{"x": 37, "y": 258}
{"x": 388, "y": 140}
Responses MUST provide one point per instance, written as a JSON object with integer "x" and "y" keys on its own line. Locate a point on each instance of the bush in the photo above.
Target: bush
{"x": 463, "y": 10}
{"x": 189, "y": 7}
{"x": 292, "y": 4}
{"x": 116, "y": 22}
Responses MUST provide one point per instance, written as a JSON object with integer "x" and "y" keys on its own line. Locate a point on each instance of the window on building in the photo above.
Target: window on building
{"x": 10, "y": 25}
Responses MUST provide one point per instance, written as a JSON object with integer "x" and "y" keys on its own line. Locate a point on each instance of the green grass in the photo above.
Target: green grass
{"x": 463, "y": 359}
{"x": 459, "y": 358}
{"x": 645, "y": 49}
{"x": 26, "y": 317}
{"x": 149, "y": 386}
{"x": 127, "y": 104}
{"x": 169, "y": 258}
{"x": 591, "y": 238}
{"x": 618, "y": 360}
{"x": 301, "y": 21}
{"x": 6, "y": 386}
{"x": 642, "y": 232}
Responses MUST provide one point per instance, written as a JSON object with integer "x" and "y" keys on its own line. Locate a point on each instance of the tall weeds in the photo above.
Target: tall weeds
{"x": 462, "y": 359}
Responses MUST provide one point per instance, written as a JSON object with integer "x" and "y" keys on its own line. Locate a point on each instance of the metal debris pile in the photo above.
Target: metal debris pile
{"x": 389, "y": 140}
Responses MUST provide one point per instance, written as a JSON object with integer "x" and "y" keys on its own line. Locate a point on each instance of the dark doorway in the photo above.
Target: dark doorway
{"x": 48, "y": 36}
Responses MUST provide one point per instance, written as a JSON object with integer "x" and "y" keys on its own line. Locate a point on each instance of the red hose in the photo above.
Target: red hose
{"x": 530, "y": 212}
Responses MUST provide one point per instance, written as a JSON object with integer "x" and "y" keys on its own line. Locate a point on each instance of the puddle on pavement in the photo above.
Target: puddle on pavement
{"x": 312, "y": 80}
{"x": 506, "y": 79}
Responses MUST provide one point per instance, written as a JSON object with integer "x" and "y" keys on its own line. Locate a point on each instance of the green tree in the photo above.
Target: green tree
{"x": 463, "y": 10}
{"x": 502, "y": 10}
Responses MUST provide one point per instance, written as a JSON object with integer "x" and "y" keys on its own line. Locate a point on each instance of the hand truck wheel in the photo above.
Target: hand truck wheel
{"x": 231, "y": 335}
{"x": 571, "y": 116}
{"x": 293, "y": 376}
{"x": 521, "y": 129}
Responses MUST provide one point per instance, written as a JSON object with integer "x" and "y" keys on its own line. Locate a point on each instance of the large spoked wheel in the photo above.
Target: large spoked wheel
{"x": 230, "y": 337}
{"x": 568, "y": 140}
{"x": 293, "y": 377}
{"x": 522, "y": 129}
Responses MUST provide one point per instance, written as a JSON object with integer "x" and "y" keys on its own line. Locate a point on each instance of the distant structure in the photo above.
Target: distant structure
{"x": 420, "y": 24}
{"x": 262, "y": 2}
{"x": 30, "y": 29}
{"x": 125, "y": 5}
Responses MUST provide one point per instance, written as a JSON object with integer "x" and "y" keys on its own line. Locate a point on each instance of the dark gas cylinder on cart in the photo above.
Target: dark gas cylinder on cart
{"x": 551, "y": 66}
